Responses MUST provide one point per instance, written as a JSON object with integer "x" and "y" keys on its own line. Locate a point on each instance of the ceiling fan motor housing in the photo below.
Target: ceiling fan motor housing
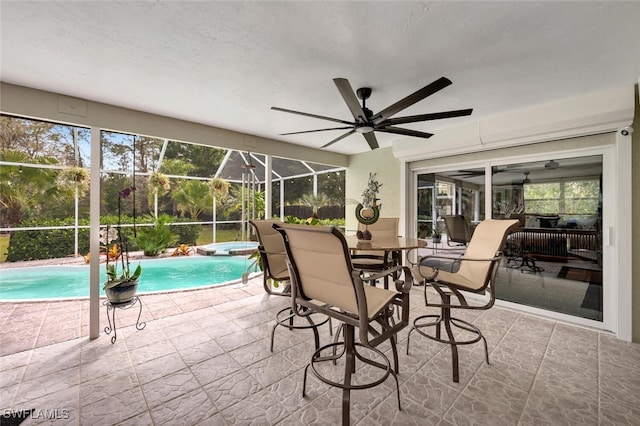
{"x": 364, "y": 93}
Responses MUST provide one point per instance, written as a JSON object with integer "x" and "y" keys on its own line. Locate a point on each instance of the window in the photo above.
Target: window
{"x": 566, "y": 197}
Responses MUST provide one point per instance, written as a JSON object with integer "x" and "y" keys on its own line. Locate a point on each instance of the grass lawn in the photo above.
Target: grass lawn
{"x": 222, "y": 235}
{"x": 4, "y": 245}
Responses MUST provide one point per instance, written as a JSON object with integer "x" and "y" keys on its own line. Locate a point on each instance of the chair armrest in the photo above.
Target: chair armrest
{"x": 498, "y": 256}
{"x": 435, "y": 263}
{"x": 402, "y": 286}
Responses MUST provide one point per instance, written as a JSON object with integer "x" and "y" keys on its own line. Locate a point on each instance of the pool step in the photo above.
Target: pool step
{"x": 206, "y": 251}
{"x": 242, "y": 252}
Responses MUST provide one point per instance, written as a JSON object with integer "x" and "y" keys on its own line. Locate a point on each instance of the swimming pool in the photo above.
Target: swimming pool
{"x": 165, "y": 274}
{"x": 231, "y": 248}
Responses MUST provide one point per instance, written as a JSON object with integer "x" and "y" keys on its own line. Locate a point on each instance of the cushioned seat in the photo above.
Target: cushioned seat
{"x": 476, "y": 273}
{"x": 323, "y": 280}
{"x": 274, "y": 266}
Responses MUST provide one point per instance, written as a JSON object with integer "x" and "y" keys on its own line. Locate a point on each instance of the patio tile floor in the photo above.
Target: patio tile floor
{"x": 204, "y": 359}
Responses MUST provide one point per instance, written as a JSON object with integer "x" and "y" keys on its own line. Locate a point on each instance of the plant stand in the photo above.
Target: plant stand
{"x": 112, "y": 307}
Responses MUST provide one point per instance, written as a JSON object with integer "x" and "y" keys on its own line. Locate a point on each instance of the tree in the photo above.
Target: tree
{"x": 333, "y": 185}
{"x": 204, "y": 160}
{"x": 118, "y": 152}
{"x": 233, "y": 202}
{"x": 315, "y": 202}
{"x": 175, "y": 167}
{"x": 194, "y": 197}
{"x": 25, "y": 190}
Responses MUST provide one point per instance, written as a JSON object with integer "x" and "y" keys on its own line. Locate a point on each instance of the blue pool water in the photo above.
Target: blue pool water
{"x": 173, "y": 273}
{"x": 230, "y": 247}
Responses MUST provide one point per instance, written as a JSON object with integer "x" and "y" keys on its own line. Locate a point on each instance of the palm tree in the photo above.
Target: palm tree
{"x": 24, "y": 190}
{"x": 315, "y": 202}
{"x": 175, "y": 167}
{"x": 193, "y": 196}
{"x": 233, "y": 202}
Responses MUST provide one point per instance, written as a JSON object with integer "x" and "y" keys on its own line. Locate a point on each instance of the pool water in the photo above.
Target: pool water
{"x": 232, "y": 247}
{"x": 174, "y": 273}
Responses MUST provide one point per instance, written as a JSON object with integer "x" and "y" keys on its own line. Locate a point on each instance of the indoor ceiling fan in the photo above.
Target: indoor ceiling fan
{"x": 366, "y": 122}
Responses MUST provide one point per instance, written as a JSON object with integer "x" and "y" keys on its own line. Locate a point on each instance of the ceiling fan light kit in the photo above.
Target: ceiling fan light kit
{"x": 367, "y": 123}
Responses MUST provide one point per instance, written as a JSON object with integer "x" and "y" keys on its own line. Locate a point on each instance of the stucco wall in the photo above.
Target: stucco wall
{"x": 387, "y": 169}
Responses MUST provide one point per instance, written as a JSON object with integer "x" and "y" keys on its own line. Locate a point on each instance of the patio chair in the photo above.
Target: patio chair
{"x": 474, "y": 273}
{"x": 272, "y": 255}
{"x": 375, "y": 260}
{"x": 323, "y": 280}
{"x": 274, "y": 267}
{"x": 458, "y": 231}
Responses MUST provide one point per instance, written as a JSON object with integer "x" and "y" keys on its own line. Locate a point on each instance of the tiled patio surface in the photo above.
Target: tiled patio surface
{"x": 204, "y": 359}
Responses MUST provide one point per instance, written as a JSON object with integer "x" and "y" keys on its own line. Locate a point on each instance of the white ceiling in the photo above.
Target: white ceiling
{"x": 226, "y": 63}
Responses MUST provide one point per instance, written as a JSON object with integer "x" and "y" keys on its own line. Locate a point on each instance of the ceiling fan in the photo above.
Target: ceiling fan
{"x": 512, "y": 168}
{"x": 366, "y": 122}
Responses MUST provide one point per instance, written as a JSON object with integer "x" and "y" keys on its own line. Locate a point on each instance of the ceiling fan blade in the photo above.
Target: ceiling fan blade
{"x": 416, "y": 96}
{"x": 371, "y": 140}
{"x": 338, "y": 138}
{"x": 350, "y": 98}
{"x": 306, "y": 114}
{"x": 426, "y": 117}
{"x": 470, "y": 173}
{"x": 318, "y": 130}
{"x": 405, "y": 132}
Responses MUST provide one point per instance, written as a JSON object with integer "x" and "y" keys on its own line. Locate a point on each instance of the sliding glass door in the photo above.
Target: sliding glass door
{"x": 554, "y": 260}
{"x": 449, "y": 193}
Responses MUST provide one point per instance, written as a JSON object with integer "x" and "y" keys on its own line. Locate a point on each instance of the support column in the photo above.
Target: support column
{"x": 94, "y": 236}
{"x": 268, "y": 190}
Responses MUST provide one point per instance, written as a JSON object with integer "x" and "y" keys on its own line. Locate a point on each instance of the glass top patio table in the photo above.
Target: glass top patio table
{"x": 384, "y": 243}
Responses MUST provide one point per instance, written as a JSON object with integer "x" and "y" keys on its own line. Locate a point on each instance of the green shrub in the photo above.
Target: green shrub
{"x": 187, "y": 234}
{"x": 153, "y": 240}
{"x": 313, "y": 221}
{"x": 56, "y": 243}
{"x": 46, "y": 243}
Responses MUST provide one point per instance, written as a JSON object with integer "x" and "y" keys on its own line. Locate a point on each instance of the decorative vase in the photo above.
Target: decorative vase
{"x": 367, "y": 213}
{"x": 122, "y": 293}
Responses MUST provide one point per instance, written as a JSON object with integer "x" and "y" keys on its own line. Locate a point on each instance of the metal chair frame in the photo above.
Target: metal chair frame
{"x": 369, "y": 337}
{"x": 458, "y": 231}
{"x": 452, "y": 296}
{"x": 285, "y": 317}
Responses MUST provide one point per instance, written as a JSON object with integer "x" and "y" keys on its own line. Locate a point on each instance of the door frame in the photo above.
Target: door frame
{"x": 617, "y": 309}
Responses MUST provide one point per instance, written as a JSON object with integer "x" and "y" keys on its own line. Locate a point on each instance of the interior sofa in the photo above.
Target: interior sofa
{"x": 554, "y": 238}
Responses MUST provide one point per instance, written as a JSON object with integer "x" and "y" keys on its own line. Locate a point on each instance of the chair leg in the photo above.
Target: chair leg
{"x": 394, "y": 350}
{"x": 273, "y": 330}
{"x": 349, "y": 369}
{"x": 316, "y": 335}
{"x": 304, "y": 381}
{"x": 422, "y": 325}
{"x": 351, "y": 355}
{"x": 446, "y": 317}
{"x": 288, "y": 322}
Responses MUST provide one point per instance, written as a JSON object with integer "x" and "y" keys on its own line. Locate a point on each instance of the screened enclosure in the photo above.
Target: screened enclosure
{"x": 206, "y": 192}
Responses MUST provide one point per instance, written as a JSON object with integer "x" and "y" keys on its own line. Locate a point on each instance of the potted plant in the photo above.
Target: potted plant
{"x": 368, "y": 212}
{"x": 74, "y": 178}
{"x": 158, "y": 183}
{"x": 436, "y": 236}
{"x": 122, "y": 283}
